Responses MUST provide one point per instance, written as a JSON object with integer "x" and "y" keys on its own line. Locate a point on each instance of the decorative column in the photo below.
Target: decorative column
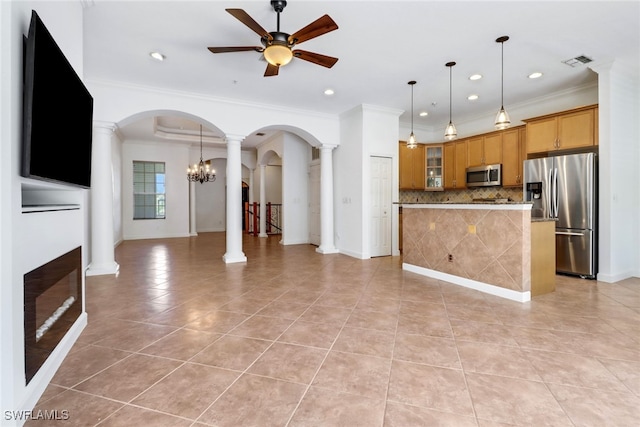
{"x": 263, "y": 201}
{"x": 326, "y": 201}
{"x": 192, "y": 209}
{"x": 234, "y": 201}
{"x": 251, "y": 184}
{"x": 251, "y": 199}
{"x": 102, "y": 245}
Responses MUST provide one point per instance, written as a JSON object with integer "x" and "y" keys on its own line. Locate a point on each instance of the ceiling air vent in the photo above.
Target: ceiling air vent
{"x": 578, "y": 60}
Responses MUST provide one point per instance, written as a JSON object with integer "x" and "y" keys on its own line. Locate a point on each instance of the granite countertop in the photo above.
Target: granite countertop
{"x": 539, "y": 219}
{"x": 474, "y": 202}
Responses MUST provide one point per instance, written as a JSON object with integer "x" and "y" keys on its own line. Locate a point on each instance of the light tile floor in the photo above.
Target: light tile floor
{"x": 295, "y": 338}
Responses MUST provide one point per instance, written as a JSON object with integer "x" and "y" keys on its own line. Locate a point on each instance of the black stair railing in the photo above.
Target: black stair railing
{"x": 252, "y": 218}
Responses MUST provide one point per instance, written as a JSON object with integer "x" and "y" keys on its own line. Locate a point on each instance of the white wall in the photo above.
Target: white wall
{"x": 287, "y": 183}
{"x": 619, "y": 158}
{"x": 64, "y": 21}
{"x": 273, "y": 184}
{"x": 295, "y": 187}
{"x": 211, "y": 200}
{"x": 366, "y": 131}
{"x": 379, "y": 137}
{"x": 347, "y": 184}
{"x": 175, "y": 157}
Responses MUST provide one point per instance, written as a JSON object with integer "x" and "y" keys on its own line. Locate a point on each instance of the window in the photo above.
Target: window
{"x": 148, "y": 190}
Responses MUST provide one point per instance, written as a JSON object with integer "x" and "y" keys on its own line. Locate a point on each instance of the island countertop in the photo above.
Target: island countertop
{"x": 508, "y": 205}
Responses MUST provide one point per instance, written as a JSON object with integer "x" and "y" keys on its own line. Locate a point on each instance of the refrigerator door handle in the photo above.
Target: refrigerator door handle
{"x": 567, "y": 233}
{"x": 555, "y": 192}
{"x": 549, "y": 195}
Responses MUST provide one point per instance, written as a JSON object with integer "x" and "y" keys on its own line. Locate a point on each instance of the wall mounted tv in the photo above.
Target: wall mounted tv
{"x": 57, "y": 113}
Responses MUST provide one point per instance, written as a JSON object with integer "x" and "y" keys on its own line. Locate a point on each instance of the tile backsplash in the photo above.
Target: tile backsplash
{"x": 460, "y": 196}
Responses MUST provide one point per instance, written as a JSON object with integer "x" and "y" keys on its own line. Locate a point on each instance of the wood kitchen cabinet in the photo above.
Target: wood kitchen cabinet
{"x": 543, "y": 257}
{"x": 455, "y": 164}
{"x": 562, "y": 131}
{"x": 513, "y": 155}
{"x": 412, "y": 167}
{"x": 484, "y": 149}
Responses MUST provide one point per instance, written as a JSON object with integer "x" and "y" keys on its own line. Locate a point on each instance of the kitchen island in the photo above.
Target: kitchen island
{"x": 490, "y": 247}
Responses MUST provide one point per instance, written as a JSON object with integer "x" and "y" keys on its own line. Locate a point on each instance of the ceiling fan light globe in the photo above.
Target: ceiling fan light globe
{"x": 502, "y": 119}
{"x": 278, "y": 55}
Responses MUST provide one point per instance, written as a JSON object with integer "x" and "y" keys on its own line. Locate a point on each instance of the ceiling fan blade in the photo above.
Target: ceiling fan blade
{"x": 247, "y": 20}
{"x": 316, "y": 58}
{"x": 235, "y": 49}
{"x": 272, "y": 70}
{"x": 317, "y": 28}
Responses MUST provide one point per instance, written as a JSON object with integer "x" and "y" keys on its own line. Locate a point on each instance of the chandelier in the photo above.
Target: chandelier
{"x": 201, "y": 171}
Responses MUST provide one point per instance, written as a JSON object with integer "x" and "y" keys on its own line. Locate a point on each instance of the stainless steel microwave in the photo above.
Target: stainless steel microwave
{"x": 484, "y": 176}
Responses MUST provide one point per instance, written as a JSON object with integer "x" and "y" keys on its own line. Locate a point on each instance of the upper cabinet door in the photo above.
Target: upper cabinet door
{"x": 493, "y": 148}
{"x": 576, "y": 129}
{"x": 563, "y": 131}
{"x": 513, "y": 154}
{"x": 484, "y": 149}
{"x": 475, "y": 151}
{"x": 411, "y": 164}
{"x": 542, "y": 135}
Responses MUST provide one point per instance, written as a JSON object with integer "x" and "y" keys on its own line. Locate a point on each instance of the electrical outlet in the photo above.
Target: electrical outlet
{"x": 450, "y": 258}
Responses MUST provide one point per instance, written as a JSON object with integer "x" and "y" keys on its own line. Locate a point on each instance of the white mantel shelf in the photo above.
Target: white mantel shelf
{"x": 49, "y": 208}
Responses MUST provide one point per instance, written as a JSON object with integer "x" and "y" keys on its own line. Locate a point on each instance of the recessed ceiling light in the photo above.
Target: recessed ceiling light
{"x": 157, "y": 56}
{"x": 472, "y": 97}
{"x": 535, "y": 75}
{"x": 329, "y": 92}
{"x": 475, "y": 77}
{"x": 423, "y": 114}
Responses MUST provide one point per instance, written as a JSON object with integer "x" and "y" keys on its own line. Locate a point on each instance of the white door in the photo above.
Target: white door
{"x": 380, "y": 235}
{"x": 314, "y": 204}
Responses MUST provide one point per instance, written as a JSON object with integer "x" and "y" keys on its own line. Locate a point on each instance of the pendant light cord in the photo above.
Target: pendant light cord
{"x": 201, "y": 143}
{"x": 450, "y": 94}
{"x": 411, "y": 108}
{"x": 502, "y": 75}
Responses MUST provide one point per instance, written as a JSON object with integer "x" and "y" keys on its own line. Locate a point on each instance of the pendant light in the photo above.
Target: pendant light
{"x": 502, "y": 118}
{"x": 450, "y": 132}
{"x": 200, "y": 172}
{"x": 412, "y": 143}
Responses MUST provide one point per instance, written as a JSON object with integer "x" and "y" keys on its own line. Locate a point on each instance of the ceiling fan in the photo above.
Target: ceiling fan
{"x": 277, "y": 46}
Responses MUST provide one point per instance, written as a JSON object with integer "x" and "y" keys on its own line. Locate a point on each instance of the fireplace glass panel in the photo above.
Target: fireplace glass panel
{"x": 52, "y": 303}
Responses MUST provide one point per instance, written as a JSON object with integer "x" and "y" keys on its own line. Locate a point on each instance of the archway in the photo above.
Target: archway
{"x": 172, "y": 138}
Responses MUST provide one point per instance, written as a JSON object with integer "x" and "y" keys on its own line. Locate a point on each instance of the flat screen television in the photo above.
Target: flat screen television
{"x": 57, "y": 113}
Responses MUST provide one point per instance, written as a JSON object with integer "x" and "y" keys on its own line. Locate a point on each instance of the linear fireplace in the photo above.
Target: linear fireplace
{"x": 52, "y": 303}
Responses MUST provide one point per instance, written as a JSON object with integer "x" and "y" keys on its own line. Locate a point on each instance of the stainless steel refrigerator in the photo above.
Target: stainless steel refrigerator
{"x": 564, "y": 188}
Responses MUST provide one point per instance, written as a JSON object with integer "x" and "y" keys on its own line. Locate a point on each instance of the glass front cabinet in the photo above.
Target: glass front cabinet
{"x": 434, "y": 176}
